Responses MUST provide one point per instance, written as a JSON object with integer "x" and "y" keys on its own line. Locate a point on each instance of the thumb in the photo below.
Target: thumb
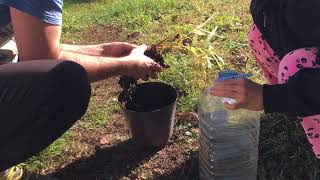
{"x": 140, "y": 49}
{"x": 128, "y": 46}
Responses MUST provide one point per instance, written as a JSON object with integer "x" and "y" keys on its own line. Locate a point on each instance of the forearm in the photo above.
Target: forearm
{"x": 92, "y": 50}
{"x": 298, "y": 97}
{"x": 98, "y": 68}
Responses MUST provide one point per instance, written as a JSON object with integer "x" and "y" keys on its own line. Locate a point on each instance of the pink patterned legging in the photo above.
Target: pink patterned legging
{"x": 278, "y": 71}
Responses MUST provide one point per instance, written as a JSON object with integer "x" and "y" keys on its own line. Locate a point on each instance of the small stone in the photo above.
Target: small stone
{"x": 104, "y": 141}
{"x": 188, "y": 133}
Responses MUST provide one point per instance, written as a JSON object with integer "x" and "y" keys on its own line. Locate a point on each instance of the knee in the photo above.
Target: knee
{"x": 72, "y": 89}
{"x": 254, "y": 36}
{"x": 297, "y": 59}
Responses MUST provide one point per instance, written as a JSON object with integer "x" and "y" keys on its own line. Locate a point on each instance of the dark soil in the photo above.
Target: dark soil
{"x": 149, "y": 97}
{"x": 153, "y": 53}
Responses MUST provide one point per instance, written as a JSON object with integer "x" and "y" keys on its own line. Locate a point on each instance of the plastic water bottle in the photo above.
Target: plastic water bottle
{"x": 228, "y": 139}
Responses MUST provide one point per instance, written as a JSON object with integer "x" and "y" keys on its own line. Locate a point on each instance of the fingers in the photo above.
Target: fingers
{"x": 232, "y": 106}
{"x": 145, "y": 77}
{"x": 227, "y": 94}
{"x": 224, "y": 87}
{"x": 127, "y": 48}
{"x": 125, "y": 45}
{"x": 155, "y": 67}
{"x": 241, "y": 81}
{"x": 234, "y": 85}
{"x": 228, "y": 89}
{"x": 146, "y": 66}
{"x": 153, "y": 75}
{"x": 150, "y": 74}
{"x": 248, "y": 95}
{"x": 234, "y": 89}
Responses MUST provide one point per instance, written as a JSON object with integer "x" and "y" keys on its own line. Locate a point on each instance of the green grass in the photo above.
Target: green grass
{"x": 156, "y": 20}
{"x": 218, "y": 30}
{"x": 99, "y": 116}
{"x": 56, "y": 152}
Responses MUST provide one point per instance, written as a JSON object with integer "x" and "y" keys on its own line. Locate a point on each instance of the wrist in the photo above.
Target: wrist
{"x": 261, "y": 105}
{"x": 109, "y": 67}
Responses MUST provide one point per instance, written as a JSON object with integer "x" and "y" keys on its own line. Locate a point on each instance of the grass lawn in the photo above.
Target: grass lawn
{"x": 98, "y": 146}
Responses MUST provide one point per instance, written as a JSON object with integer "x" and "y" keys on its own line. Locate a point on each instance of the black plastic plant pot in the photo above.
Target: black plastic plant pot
{"x": 151, "y": 115}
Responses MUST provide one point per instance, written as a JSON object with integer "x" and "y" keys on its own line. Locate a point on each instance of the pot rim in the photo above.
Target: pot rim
{"x": 174, "y": 102}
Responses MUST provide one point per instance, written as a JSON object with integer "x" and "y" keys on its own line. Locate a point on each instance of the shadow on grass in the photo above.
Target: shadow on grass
{"x": 188, "y": 171}
{"x": 107, "y": 163}
{"x": 284, "y": 150}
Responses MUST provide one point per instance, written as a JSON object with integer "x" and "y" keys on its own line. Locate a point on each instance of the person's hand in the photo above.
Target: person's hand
{"x": 116, "y": 49}
{"x": 248, "y": 94}
{"x": 137, "y": 65}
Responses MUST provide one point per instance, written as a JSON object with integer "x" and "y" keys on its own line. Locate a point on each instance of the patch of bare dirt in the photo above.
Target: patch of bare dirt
{"x": 103, "y": 91}
{"x": 113, "y": 132}
{"x": 89, "y": 137}
{"x": 102, "y": 34}
{"x": 115, "y": 156}
{"x": 188, "y": 118}
{"x": 133, "y": 36}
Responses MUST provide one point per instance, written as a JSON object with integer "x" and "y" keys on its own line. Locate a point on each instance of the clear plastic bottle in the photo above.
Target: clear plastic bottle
{"x": 228, "y": 139}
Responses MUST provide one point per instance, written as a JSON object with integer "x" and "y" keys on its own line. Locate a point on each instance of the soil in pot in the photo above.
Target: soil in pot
{"x": 151, "y": 96}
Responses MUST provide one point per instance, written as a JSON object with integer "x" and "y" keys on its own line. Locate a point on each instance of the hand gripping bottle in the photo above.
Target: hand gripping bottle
{"x": 228, "y": 138}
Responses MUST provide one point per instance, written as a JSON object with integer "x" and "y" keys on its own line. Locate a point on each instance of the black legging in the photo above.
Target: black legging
{"x": 39, "y": 101}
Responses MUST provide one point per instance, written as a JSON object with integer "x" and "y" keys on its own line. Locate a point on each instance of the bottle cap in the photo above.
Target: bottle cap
{"x": 230, "y": 74}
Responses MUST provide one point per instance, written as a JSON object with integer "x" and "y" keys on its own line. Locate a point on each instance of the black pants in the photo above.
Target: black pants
{"x": 39, "y": 101}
